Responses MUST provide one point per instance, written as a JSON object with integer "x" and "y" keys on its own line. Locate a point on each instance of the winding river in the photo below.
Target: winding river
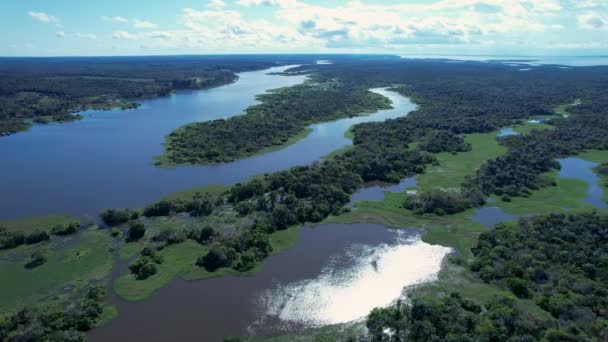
{"x": 105, "y": 160}
{"x": 334, "y": 274}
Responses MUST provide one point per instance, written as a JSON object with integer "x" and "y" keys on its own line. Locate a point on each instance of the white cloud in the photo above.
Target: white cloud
{"x": 116, "y": 19}
{"x": 43, "y": 17}
{"x": 161, "y": 35}
{"x": 143, "y": 24}
{"x": 60, "y": 34}
{"x": 123, "y": 35}
{"x": 85, "y": 36}
{"x": 216, "y": 4}
{"x": 281, "y": 3}
{"x": 592, "y": 21}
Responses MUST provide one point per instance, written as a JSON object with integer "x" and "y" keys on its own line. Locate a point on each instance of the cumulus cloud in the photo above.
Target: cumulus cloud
{"x": 283, "y": 3}
{"x": 592, "y": 21}
{"x": 123, "y": 35}
{"x": 60, "y": 34}
{"x": 216, "y": 4}
{"x": 43, "y": 17}
{"x": 85, "y": 36}
{"x": 116, "y": 19}
{"x": 143, "y": 24}
{"x": 220, "y": 25}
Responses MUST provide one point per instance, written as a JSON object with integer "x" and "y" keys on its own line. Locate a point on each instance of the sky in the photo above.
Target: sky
{"x": 406, "y": 27}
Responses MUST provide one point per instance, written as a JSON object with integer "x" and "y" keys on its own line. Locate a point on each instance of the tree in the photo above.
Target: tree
{"x": 37, "y": 259}
{"x": 136, "y": 230}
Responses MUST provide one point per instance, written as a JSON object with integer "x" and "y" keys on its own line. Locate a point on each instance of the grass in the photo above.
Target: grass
{"x": 30, "y": 224}
{"x": 89, "y": 259}
{"x": 188, "y": 194}
{"x": 179, "y": 261}
{"x": 565, "y": 196}
{"x": 453, "y": 168}
{"x": 528, "y": 127}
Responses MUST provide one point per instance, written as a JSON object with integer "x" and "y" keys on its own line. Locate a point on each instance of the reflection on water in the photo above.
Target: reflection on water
{"x": 349, "y": 268}
{"x": 374, "y": 277}
{"x": 491, "y": 216}
{"x": 582, "y": 169}
{"x": 507, "y": 131}
{"x": 375, "y": 191}
{"x": 105, "y": 160}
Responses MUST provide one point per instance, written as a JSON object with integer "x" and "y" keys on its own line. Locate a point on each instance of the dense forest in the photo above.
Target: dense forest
{"x": 558, "y": 261}
{"x": 281, "y": 115}
{"x": 64, "y": 321}
{"x": 453, "y": 98}
{"x": 52, "y": 89}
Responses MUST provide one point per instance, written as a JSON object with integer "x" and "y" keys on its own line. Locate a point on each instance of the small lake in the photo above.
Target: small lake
{"x": 105, "y": 160}
{"x": 491, "y": 216}
{"x": 353, "y": 269}
{"x": 504, "y": 132}
{"x": 375, "y": 191}
{"x": 582, "y": 169}
{"x": 573, "y": 167}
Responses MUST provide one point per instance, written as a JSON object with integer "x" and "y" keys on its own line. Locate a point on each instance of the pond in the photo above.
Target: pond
{"x": 334, "y": 274}
{"x": 573, "y": 167}
{"x": 105, "y": 160}
{"x": 374, "y": 191}
{"x": 582, "y": 169}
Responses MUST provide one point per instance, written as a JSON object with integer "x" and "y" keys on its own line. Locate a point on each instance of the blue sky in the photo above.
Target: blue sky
{"x": 410, "y": 27}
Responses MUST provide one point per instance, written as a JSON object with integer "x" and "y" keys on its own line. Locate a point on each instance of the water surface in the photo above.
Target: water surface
{"x": 491, "y": 216}
{"x": 374, "y": 191}
{"x": 335, "y": 273}
{"x": 582, "y": 169}
{"x": 105, "y": 160}
{"x": 507, "y": 131}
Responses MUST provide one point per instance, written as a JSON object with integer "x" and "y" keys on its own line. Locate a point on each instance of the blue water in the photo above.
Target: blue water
{"x": 491, "y": 216}
{"x": 375, "y": 191}
{"x": 105, "y": 160}
{"x": 582, "y": 169}
{"x": 519, "y": 61}
{"x": 506, "y": 132}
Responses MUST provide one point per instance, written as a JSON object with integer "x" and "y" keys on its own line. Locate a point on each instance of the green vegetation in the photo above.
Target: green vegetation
{"x": 179, "y": 261}
{"x": 566, "y": 277}
{"x": 67, "y": 320}
{"x": 280, "y": 119}
{"x": 46, "y": 90}
{"x": 451, "y": 169}
{"x": 30, "y": 224}
{"x": 86, "y": 259}
{"x": 565, "y": 195}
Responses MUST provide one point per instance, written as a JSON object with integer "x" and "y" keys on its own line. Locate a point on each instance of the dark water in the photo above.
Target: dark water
{"x": 582, "y": 169}
{"x": 576, "y": 168}
{"x": 105, "y": 160}
{"x": 375, "y": 191}
{"x": 491, "y": 216}
{"x": 211, "y": 309}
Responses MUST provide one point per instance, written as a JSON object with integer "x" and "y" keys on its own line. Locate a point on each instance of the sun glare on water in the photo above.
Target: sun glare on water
{"x": 375, "y": 277}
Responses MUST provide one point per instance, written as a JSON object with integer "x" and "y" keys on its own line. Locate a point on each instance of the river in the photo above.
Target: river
{"x": 335, "y": 273}
{"x": 105, "y": 160}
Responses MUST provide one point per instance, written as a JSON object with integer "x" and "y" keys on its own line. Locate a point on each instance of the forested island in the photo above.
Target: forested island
{"x": 541, "y": 278}
{"x": 54, "y": 89}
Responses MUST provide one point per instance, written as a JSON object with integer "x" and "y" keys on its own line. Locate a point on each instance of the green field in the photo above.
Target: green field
{"x": 30, "y": 224}
{"x": 179, "y": 261}
{"x": 453, "y": 168}
{"x": 88, "y": 257}
{"x": 213, "y": 189}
